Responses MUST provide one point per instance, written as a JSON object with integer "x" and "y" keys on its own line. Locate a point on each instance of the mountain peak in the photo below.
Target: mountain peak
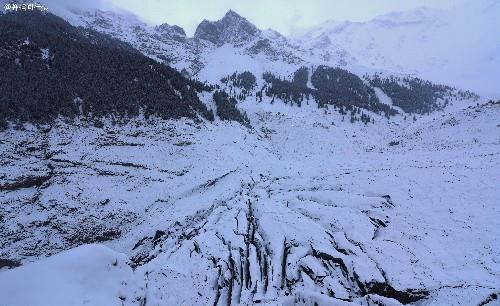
{"x": 232, "y": 17}
{"x": 171, "y": 31}
{"x": 232, "y": 28}
{"x": 232, "y": 14}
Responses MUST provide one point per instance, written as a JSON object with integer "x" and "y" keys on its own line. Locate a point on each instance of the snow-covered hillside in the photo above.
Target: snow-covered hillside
{"x": 399, "y": 43}
{"x": 232, "y": 38}
{"x": 303, "y": 208}
{"x": 301, "y": 204}
{"x": 409, "y": 42}
{"x": 458, "y": 46}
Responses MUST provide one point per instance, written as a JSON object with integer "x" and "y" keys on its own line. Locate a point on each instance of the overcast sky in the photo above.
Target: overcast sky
{"x": 285, "y": 16}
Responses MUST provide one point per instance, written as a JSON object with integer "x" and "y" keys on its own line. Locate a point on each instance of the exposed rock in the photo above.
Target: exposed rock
{"x": 232, "y": 28}
{"x": 25, "y": 182}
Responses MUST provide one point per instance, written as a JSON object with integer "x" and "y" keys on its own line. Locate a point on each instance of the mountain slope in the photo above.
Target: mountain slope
{"x": 412, "y": 42}
{"x": 232, "y": 36}
{"x": 297, "y": 211}
{"x": 234, "y": 45}
{"x": 49, "y": 68}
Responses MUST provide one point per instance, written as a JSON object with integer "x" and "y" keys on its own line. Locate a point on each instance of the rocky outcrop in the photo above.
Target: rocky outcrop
{"x": 174, "y": 32}
{"x": 232, "y": 28}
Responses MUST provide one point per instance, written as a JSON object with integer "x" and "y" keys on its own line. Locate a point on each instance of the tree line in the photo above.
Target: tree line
{"x": 415, "y": 95}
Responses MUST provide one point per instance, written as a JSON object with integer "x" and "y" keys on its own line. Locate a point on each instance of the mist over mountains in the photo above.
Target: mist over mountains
{"x": 456, "y": 46}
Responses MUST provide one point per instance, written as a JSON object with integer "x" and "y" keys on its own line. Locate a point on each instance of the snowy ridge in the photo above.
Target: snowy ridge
{"x": 232, "y": 29}
{"x": 220, "y": 48}
{"x": 412, "y": 42}
{"x": 169, "y": 43}
{"x": 398, "y": 43}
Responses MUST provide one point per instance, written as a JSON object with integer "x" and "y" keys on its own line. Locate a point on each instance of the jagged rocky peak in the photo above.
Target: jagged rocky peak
{"x": 207, "y": 30}
{"x": 171, "y": 31}
{"x": 232, "y": 28}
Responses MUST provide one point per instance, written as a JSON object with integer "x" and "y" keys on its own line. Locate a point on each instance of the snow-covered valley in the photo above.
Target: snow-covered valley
{"x": 318, "y": 170}
{"x": 302, "y": 208}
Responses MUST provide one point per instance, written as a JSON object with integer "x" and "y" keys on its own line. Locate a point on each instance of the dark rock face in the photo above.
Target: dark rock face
{"x": 25, "y": 182}
{"x": 8, "y": 263}
{"x": 404, "y": 297}
{"x": 207, "y": 30}
{"x": 261, "y": 46}
{"x": 171, "y": 32}
{"x": 492, "y": 297}
{"x": 232, "y": 28}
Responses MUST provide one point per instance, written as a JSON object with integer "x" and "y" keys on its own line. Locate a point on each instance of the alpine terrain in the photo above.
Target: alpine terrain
{"x": 357, "y": 163}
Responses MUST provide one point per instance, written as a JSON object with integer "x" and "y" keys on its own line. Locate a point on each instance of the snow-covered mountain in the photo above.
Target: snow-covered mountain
{"x": 399, "y": 43}
{"x": 409, "y": 42}
{"x": 458, "y": 46}
{"x": 304, "y": 205}
{"x": 234, "y": 45}
{"x": 233, "y": 39}
{"x": 232, "y": 29}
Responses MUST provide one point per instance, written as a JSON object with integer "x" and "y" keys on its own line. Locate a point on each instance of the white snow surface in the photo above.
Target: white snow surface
{"x": 301, "y": 208}
{"x": 86, "y": 275}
